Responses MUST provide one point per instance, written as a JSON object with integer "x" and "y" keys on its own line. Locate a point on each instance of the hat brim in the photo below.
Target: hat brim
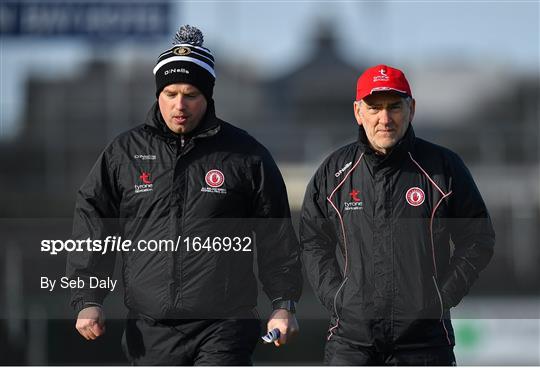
{"x": 386, "y": 89}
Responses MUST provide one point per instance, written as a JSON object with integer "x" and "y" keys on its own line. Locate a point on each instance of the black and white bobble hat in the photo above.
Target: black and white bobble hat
{"x": 186, "y": 62}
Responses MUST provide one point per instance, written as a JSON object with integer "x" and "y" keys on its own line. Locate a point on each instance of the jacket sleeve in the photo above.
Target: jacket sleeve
{"x": 471, "y": 232}
{"x": 96, "y": 217}
{"x": 318, "y": 240}
{"x": 278, "y": 252}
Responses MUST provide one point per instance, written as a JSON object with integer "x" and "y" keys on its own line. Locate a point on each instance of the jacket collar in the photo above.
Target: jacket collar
{"x": 209, "y": 125}
{"x": 396, "y": 154}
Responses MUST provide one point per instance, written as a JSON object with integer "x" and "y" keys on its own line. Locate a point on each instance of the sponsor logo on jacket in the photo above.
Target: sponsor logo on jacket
{"x": 356, "y": 203}
{"x": 214, "y": 180}
{"x": 146, "y": 185}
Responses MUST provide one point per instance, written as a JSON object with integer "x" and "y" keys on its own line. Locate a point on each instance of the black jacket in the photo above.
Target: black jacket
{"x": 396, "y": 273}
{"x": 151, "y": 184}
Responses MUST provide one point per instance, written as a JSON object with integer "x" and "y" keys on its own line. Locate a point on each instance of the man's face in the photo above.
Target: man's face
{"x": 182, "y": 107}
{"x": 385, "y": 117}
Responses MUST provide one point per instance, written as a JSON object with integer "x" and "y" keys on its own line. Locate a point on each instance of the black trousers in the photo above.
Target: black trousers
{"x": 338, "y": 352}
{"x": 191, "y": 342}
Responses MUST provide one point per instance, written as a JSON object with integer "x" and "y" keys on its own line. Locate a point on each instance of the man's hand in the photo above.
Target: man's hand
{"x": 91, "y": 322}
{"x": 286, "y": 322}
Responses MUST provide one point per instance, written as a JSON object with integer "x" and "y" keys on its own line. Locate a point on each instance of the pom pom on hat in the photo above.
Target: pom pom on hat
{"x": 188, "y": 34}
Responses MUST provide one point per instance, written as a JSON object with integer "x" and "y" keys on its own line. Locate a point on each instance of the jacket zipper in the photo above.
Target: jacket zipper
{"x": 440, "y": 298}
{"x": 179, "y": 229}
{"x": 177, "y": 259}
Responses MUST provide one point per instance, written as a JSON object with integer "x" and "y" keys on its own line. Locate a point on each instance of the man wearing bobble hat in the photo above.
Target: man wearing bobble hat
{"x": 187, "y": 176}
{"x": 394, "y": 233}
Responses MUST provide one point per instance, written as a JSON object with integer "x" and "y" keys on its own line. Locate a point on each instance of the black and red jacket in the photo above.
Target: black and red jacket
{"x": 391, "y": 243}
{"x": 217, "y": 182}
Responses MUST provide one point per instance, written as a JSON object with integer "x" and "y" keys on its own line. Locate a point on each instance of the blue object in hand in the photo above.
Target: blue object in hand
{"x": 271, "y": 336}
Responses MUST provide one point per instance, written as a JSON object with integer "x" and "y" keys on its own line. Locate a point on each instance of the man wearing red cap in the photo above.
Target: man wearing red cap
{"x": 394, "y": 233}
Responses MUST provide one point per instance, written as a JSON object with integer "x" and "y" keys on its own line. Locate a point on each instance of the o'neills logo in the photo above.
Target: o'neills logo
{"x": 176, "y": 70}
{"x": 147, "y": 185}
{"x": 342, "y": 170}
{"x": 415, "y": 196}
{"x": 214, "y": 179}
{"x": 356, "y": 204}
{"x": 144, "y": 157}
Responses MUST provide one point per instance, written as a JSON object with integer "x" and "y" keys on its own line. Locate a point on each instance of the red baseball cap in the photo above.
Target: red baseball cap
{"x": 382, "y": 78}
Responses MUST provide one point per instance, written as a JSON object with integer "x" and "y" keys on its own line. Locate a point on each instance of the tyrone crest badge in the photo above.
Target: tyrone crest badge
{"x": 415, "y": 196}
{"x": 214, "y": 178}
